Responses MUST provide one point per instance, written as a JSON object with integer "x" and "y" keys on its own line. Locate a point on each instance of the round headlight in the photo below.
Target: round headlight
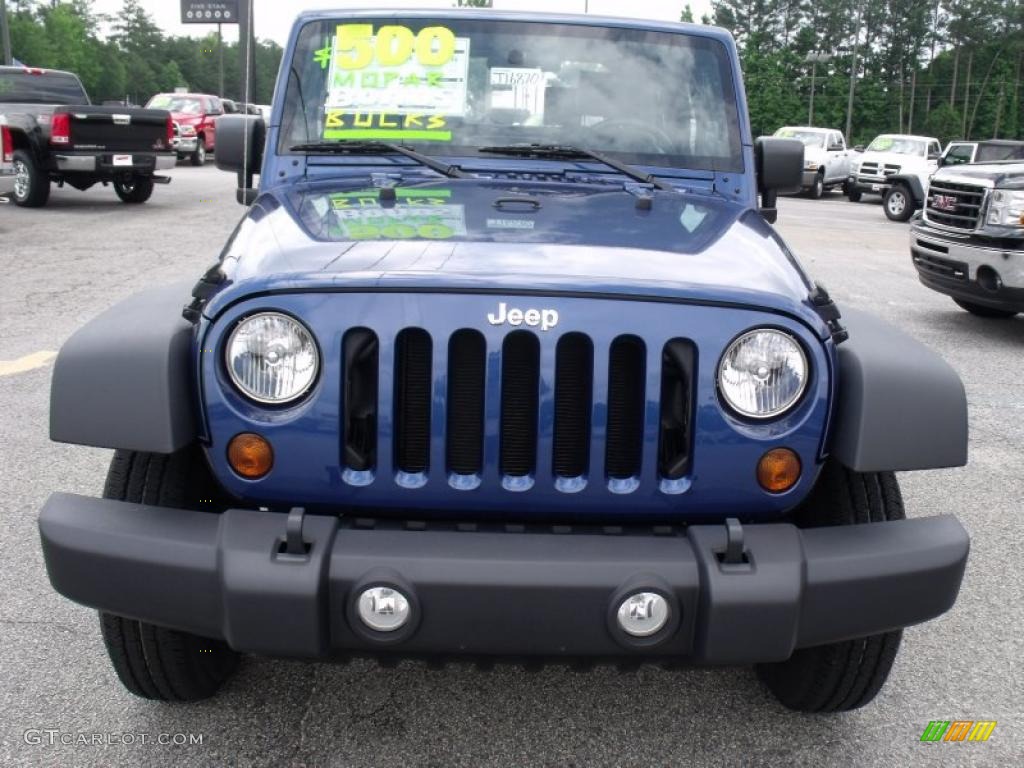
{"x": 762, "y": 373}
{"x": 272, "y": 358}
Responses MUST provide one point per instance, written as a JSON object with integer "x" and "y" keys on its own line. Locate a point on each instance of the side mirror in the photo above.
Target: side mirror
{"x": 779, "y": 165}
{"x": 935, "y": 156}
{"x": 836, "y": 147}
{"x": 240, "y": 142}
{"x": 858, "y": 148}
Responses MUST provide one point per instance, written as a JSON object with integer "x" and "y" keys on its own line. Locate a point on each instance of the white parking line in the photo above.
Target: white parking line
{"x": 26, "y": 363}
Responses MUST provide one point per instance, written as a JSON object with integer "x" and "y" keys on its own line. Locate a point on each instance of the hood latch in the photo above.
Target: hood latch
{"x": 829, "y": 312}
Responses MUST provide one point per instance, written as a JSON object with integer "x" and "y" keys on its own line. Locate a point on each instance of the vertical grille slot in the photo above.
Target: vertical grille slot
{"x": 520, "y": 370}
{"x": 675, "y": 437}
{"x": 626, "y": 377}
{"x": 360, "y": 352}
{"x": 413, "y": 359}
{"x": 467, "y": 360}
{"x": 574, "y": 366}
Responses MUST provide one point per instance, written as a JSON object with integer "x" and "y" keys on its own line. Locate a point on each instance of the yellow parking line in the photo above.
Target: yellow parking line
{"x": 26, "y": 363}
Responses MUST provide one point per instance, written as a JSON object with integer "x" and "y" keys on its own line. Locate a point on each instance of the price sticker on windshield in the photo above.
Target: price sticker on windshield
{"x": 393, "y": 70}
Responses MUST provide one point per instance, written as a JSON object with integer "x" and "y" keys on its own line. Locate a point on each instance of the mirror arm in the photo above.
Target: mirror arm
{"x": 768, "y": 210}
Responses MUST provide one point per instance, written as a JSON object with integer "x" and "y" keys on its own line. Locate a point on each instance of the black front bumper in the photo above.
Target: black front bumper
{"x": 508, "y": 591}
{"x": 867, "y": 185}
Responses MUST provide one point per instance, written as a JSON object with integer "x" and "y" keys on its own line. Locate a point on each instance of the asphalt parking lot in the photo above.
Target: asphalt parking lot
{"x": 64, "y": 264}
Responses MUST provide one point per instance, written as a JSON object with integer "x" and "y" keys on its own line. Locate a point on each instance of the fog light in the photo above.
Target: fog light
{"x": 643, "y": 614}
{"x": 383, "y": 609}
{"x": 250, "y": 455}
{"x": 778, "y": 470}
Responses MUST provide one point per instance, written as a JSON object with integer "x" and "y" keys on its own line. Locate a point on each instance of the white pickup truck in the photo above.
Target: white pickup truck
{"x": 826, "y": 157}
{"x": 897, "y": 167}
{"x": 6, "y": 159}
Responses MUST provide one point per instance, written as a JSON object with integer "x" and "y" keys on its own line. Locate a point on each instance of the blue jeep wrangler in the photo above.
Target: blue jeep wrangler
{"x": 505, "y": 361}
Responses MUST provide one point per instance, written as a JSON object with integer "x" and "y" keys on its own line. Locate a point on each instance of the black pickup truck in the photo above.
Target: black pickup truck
{"x": 57, "y": 136}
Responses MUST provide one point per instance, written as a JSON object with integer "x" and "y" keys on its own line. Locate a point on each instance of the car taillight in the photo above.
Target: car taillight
{"x": 60, "y": 128}
{"x": 170, "y": 131}
{"x": 6, "y": 145}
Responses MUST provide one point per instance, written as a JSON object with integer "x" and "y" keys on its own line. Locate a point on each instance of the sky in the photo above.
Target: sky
{"x": 274, "y": 17}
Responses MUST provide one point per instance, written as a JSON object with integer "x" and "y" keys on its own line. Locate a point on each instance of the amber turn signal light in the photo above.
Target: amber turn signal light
{"x": 778, "y": 470}
{"x": 250, "y": 455}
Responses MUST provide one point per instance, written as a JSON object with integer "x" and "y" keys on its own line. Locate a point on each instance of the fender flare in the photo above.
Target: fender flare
{"x": 125, "y": 379}
{"x": 912, "y": 182}
{"x": 25, "y": 127}
{"x": 900, "y": 406}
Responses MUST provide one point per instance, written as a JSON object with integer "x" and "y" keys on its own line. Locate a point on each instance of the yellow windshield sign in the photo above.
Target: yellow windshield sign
{"x": 425, "y": 214}
{"x": 393, "y": 83}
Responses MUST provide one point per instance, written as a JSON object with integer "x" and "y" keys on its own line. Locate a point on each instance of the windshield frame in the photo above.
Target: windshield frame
{"x": 922, "y": 151}
{"x": 821, "y": 135}
{"x": 731, "y": 95}
{"x": 171, "y": 97}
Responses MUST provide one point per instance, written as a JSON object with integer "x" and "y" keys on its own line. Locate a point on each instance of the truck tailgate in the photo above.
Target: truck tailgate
{"x": 118, "y": 129}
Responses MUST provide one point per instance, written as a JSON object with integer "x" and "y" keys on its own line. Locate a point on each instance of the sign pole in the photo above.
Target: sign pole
{"x": 220, "y": 63}
{"x": 245, "y": 38}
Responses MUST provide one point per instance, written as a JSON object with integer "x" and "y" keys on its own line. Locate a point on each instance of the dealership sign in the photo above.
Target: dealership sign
{"x": 209, "y": 11}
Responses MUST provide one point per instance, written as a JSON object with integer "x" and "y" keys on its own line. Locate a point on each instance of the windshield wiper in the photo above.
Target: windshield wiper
{"x": 568, "y": 152}
{"x": 353, "y": 147}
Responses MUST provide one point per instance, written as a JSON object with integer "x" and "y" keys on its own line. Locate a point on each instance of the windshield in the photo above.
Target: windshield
{"x": 42, "y": 88}
{"x": 807, "y": 138}
{"x": 898, "y": 145}
{"x": 453, "y": 86}
{"x": 182, "y": 105}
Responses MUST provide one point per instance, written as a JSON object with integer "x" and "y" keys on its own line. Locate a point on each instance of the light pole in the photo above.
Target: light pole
{"x": 814, "y": 58}
{"x": 853, "y": 70}
{"x": 5, "y": 33}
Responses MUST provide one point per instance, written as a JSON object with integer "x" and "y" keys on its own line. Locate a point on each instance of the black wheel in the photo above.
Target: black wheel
{"x": 982, "y": 311}
{"x": 898, "y": 203}
{"x": 199, "y": 156}
{"x": 156, "y": 662}
{"x": 853, "y": 195}
{"x": 31, "y": 183}
{"x": 138, "y": 190}
{"x": 847, "y": 675}
{"x": 818, "y": 188}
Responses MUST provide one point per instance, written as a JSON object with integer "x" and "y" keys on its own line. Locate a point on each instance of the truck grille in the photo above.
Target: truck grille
{"x": 580, "y": 379}
{"x": 872, "y": 169}
{"x": 954, "y": 205}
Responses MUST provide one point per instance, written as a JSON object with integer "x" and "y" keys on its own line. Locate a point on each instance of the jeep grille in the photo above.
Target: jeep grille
{"x": 582, "y": 374}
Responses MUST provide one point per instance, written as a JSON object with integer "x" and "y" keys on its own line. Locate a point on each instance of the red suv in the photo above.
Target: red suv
{"x": 195, "y": 115}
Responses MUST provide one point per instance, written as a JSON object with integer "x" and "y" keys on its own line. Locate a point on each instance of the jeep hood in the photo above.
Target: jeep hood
{"x": 508, "y": 236}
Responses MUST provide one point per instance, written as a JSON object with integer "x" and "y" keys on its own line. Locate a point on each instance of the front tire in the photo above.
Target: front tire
{"x": 982, "y": 311}
{"x": 199, "y": 156}
{"x": 155, "y": 662}
{"x": 31, "y": 183}
{"x": 136, "y": 191}
{"x": 853, "y": 195}
{"x": 840, "y": 676}
{"x": 818, "y": 188}
{"x": 898, "y": 203}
